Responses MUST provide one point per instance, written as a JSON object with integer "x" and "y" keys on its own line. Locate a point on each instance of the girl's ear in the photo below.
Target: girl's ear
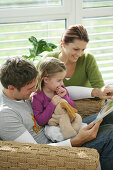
{"x": 46, "y": 79}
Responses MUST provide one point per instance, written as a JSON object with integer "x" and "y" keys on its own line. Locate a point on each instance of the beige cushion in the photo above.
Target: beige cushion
{"x": 87, "y": 107}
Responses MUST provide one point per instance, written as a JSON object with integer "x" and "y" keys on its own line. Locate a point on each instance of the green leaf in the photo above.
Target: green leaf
{"x": 53, "y": 46}
{"x": 39, "y": 47}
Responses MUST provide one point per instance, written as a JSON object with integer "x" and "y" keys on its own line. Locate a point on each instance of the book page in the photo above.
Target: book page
{"x": 108, "y": 108}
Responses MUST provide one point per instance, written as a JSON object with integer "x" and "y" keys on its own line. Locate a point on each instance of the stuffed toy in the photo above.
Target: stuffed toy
{"x": 67, "y": 118}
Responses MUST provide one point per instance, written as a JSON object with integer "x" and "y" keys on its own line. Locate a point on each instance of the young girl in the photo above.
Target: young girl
{"x": 50, "y": 92}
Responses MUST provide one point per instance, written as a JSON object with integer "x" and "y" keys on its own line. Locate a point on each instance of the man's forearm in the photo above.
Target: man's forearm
{"x": 62, "y": 143}
{"x": 75, "y": 142}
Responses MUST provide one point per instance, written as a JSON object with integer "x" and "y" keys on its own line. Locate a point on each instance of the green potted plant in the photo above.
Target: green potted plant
{"x": 38, "y": 48}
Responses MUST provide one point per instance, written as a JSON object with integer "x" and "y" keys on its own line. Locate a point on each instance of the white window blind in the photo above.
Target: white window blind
{"x": 14, "y": 36}
{"x": 48, "y": 19}
{"x": 27, "y": 3}
{"x": 19, "y": 20}
{"x": 97, "y": 3}
{"x": 98, "y": 20}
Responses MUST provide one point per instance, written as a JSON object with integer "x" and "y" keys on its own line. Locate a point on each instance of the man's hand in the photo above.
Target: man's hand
{"x": 86, "y": 134}
{"x": 61, "y": 91}
{"x": 105, "y": 92}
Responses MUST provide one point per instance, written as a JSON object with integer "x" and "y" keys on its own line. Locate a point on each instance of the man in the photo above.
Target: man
{"x": 19, "y": 78}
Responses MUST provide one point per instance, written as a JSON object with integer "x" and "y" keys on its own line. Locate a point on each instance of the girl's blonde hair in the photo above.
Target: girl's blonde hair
{"x": 48, "y": 68}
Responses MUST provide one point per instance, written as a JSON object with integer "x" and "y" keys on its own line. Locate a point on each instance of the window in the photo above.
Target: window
{"x": 18, "y": 3}
{"x": 47, "y": 19}
{"x": 98, "y": 20}
{"x": 22, "y": 19}
{"x": 14, "y": 36}
{"x": 97, "y": 3}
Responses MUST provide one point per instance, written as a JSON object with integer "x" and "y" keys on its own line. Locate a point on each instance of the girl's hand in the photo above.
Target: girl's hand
{"x": 56, "y": 100}
{"x": 61, "y": 91}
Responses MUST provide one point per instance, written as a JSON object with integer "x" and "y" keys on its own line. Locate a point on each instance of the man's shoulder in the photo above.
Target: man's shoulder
{"x": 5, "y": 110}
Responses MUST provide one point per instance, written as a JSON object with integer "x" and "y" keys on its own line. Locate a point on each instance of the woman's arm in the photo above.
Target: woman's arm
{"x": 77, "y": 92}
{"x": 93, "y": 72}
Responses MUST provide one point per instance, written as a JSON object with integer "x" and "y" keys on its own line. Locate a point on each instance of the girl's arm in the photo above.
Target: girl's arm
{"x": 68, "y": 98}
{"x": 63, "y": 93}
{"x": 42, "y": 109}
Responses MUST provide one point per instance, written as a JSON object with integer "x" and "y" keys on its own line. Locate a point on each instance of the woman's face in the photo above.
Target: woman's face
{"x": 74, "y": 50}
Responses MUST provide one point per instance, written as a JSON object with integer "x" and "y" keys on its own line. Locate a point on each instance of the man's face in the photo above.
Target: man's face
{"x": 25, "y": 91}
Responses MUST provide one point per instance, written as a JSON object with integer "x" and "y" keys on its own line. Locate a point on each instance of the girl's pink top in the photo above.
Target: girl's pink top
{"x": 43, "y": 107}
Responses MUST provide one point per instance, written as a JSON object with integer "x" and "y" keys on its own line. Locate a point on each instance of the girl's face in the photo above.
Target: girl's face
{"x": 74, "y": 50}
{"x": 52, "y": 83}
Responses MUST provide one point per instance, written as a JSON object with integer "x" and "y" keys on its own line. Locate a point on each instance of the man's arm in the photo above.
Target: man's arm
{"x": 26, "y": 137}
{"x": 86, "y": 134}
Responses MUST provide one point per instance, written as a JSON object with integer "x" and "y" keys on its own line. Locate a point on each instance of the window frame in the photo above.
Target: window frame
{"x": 72, "y": 11}
{"x": 29, "y": 14}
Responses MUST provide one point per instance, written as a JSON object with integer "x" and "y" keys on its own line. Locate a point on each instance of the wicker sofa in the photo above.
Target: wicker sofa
{"x": 21, "y": 156}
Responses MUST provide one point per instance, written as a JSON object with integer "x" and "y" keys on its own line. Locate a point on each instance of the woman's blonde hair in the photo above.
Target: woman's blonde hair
{"x": 48, "y": 68}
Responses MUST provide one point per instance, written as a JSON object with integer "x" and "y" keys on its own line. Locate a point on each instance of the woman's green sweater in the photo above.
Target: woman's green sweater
{"x": 86, "y": 73}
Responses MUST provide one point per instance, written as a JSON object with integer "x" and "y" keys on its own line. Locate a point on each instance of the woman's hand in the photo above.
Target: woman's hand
{"x": 105, "y": 92}
{"x": 86, "y": 134}
{"x": 61, "y": 91}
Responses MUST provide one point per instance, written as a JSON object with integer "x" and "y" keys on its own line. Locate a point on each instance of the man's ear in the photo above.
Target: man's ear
{"x": 46, "y": 79}
{"x": 11, "y": 87}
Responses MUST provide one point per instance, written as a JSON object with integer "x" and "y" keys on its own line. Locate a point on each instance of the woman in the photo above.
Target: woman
{"x": 82, "y": 69}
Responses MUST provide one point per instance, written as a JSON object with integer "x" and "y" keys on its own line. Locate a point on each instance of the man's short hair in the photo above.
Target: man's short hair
{"x": 18, "y": 72}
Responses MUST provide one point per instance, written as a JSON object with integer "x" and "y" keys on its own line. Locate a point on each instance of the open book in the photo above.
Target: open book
{"x": 108, "y": 108}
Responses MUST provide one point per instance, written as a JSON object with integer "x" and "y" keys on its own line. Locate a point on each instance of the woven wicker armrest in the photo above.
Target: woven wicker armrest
{"x": 87, "y": 107}
{"x": 20, "y": 156}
